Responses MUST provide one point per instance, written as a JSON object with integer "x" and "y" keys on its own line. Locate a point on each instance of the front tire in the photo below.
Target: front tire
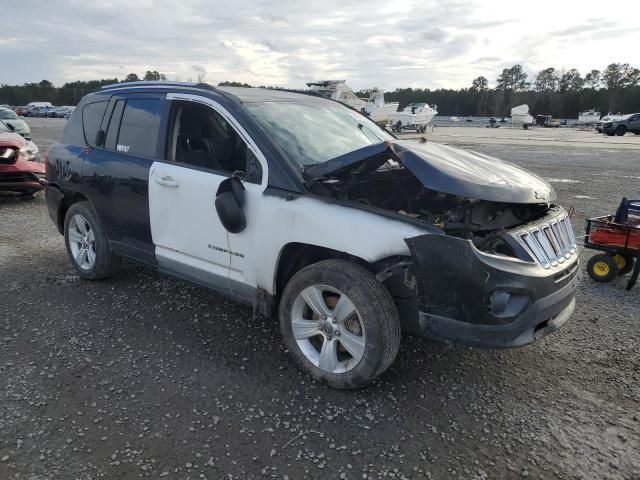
{"x": 621, "y": 130}
{"x": 339, "y": 323}
{"x": 602, "y": 268}
{"x": 87, "y": 243}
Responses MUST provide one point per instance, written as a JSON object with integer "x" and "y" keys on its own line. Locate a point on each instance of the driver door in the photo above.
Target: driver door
{"x": 189, "y": 239}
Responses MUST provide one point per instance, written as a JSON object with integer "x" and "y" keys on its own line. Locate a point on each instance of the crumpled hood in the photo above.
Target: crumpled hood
{"x": 448, "y": 170}
{"x": 471, "y": 174}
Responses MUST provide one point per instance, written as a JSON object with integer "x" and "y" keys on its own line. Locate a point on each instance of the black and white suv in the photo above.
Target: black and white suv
{"x": 306, "y": 209}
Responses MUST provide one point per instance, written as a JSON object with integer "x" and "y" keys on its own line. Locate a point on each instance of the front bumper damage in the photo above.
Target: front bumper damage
{"x": 482, "y": 300}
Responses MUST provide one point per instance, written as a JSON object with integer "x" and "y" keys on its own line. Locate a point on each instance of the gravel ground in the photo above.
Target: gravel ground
{"x": 145, "y": 376}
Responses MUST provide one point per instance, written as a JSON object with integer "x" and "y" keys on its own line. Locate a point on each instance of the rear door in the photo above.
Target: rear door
{"x": 117, "y": 171}
{"x": 634, "y": 123}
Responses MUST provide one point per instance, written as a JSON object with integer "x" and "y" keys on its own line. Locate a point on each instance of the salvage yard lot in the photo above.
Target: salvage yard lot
{"x": 145, "y": 376}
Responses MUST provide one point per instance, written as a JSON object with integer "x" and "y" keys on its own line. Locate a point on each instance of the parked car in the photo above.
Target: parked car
{"x": 599, "y": 126}
{"x": 20, "y": 169}
{"x": 306, "y": 209}
{"x": 12, "y": 120}
{"x": 44, "y": 111}
{"x": 622, "y": 125}
{"x": 21, "y": 111}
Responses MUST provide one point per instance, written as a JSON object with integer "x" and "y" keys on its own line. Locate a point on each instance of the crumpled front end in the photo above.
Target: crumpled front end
{"x": 470, "y": 297}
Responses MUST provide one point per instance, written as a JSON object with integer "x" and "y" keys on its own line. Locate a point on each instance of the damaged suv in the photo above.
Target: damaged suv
{"x": 307, "y": 210}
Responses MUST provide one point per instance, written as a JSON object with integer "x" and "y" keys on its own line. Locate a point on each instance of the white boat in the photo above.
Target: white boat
{"x": 377, "y": 109}
{"x": 588, "y": 117}
{"x": 337, "y": 90}
{"x": 415, "y": 116}
{"x": 520, "y": 116}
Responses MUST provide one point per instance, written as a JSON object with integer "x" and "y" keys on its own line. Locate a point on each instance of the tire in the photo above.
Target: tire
{"x": 98, "y": 261}
{"x": 373, "y": 322}
{"x": 625, "y": 263}
{"x": 602, "y": 268}
{"x": 621, "y": 130}
{"x": 636, "y": 133}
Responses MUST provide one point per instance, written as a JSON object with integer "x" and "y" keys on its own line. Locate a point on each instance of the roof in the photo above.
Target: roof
{"x": 245, "y": 95}
{"x": 257, "y": 95}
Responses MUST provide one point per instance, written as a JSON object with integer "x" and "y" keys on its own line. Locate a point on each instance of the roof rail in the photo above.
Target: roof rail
{"x": 144, "y": 83}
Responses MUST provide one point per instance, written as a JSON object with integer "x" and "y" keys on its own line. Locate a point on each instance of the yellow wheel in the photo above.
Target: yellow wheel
{"x": 602, "y": 268}
{"x": 624, "y": 263}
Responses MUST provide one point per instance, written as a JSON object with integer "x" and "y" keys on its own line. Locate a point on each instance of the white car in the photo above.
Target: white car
{"x": 307, "y": 210}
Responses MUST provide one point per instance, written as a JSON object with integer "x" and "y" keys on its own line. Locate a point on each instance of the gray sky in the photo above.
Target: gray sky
{"x": 387, "y": 43}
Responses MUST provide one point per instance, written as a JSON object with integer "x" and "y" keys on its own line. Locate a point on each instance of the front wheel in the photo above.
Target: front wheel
{"x": 602, "y": 268}
{"x": 87, "y": 243}
{"x": 621, "y": 130}
{"x": 339, "y": 323}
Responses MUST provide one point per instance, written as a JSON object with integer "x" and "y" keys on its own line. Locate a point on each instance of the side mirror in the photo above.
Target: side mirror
{"x": 11, "y": 127}
{"x": 100, "y": 138}
{"x": 229, "y": 202}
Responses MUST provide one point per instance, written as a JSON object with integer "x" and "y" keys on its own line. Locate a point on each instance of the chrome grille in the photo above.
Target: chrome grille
{"x": 551, "y": 243}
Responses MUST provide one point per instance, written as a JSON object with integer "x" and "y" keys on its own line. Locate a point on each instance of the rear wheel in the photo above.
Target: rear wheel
{"x": 339, "y": 323}
{"x": 621, "y": 130}
{"x": 602, "y": 268}
{"x": 624, "y": 262}
{"x": 87, "y": 243}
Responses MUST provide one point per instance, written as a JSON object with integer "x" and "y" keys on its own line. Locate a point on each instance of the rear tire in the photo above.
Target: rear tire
{"x": 602, "y": 268}
{"x": 87, "y": 243}
{"x": 372, "y": 322}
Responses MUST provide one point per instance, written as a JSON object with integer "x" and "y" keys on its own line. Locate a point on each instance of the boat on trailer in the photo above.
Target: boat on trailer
{"x": 589, "y": 117}
{"x": 337, "y": 90}
{"x": 415, "y": 116}
{"x": 520, "y": 116}
{"x": 377, "y": 109}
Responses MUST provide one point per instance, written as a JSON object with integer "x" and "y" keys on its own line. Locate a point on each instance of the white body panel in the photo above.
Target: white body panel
{"x": 273, "y": 222}
{"x": 184, "y": 224}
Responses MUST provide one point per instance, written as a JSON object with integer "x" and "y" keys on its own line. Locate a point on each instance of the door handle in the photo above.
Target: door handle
{"x": 167, "y": 181}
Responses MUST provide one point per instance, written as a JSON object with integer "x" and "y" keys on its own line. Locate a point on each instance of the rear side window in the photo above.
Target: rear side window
{"x": 114, "y": 125}
{"x": 139, "y": 127}
{"x": 92, "y": 114}
{"x": 72, "y": 133}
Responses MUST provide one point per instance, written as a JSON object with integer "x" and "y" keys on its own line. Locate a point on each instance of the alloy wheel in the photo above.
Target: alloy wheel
{"x": 328, "y": 329}
{"x": 82, "y": 242}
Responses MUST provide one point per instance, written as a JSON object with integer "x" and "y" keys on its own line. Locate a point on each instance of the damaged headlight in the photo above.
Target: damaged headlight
{"x": 30, "y": 152}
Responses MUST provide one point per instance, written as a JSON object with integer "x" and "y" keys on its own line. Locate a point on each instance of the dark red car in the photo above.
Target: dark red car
{"x": 20, "y": 169}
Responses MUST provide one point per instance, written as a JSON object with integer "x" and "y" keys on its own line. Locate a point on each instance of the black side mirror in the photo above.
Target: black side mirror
{"x": 11, "y": 127}
{"x": 229, "y": 202}
{"x": 100, "y": 138}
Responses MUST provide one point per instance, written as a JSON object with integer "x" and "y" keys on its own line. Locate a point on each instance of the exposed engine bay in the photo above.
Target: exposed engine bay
{"x": 396, "y": 189}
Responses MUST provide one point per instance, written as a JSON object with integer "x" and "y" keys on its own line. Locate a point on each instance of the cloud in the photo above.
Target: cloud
{"x": 420, "y": 43}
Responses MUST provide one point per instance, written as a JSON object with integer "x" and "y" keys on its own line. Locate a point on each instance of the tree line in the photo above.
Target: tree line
{"x": 551, "y": 92}
{"x": 558, "y": 93}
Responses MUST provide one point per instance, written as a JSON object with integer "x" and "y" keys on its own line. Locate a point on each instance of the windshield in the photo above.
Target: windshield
{"x": 8, "y": 115}
{"x": 312, "y": 133}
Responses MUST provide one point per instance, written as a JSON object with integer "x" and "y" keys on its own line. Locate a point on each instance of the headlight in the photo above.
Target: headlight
{"x": 30, "y": 152}
{"x": 607, "y": 125}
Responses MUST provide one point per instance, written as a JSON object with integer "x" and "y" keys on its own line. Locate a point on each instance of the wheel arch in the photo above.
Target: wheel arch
{"x": 294, "y": 256}
{"x": 67, "y": 200}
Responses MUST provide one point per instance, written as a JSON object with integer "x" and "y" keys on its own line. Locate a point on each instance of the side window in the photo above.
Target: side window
{"x": 139, "y": 127}
{"x": 92, "y": 114}
{"x": 114, "y": 125}
{"x": 200, "y": 137}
